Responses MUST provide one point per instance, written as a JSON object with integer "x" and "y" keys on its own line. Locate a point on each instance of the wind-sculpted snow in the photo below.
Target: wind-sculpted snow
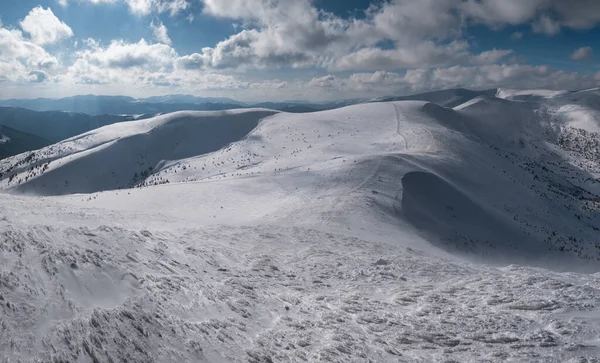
{"x": 271, "y": 293}
{"x": 384, "y": 232}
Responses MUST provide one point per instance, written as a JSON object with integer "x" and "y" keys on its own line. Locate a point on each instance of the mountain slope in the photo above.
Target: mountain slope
{"x": 488, "y": 153}
{"x": 121, "y": 155}
{"x": 401, "y": 231}
{"x": 446, "y": 98}
{"x": 13, "y": 142}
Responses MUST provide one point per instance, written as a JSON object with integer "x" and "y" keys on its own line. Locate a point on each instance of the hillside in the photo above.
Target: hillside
{"x": 13, "y": 142}
{"x": 385, "y": 231}
{"x": 446, "y": 98}
{"x": 486, "y": 153}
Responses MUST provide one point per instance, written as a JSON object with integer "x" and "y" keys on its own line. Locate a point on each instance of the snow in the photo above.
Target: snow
{"x": 390, "y": 232}
{"x": 4, "y": 139}
{"x": 539, "y": 93}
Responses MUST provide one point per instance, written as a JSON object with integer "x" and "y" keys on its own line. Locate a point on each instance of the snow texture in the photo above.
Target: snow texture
{"x": 386, "y": 232}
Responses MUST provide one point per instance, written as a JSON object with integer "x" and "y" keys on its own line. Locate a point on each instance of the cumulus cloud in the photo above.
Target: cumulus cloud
{"x": 122, "y": 55}
{"x": 44, "y": 27}
{"x": 315, "y": 38}
{"x": 433, "y": 28}
{"x": 393, "y": 47}
{"x": 546, "y": 25}
{"x": 19, "y": 57}
{"x": 160, "y": 33}
{"x": 174, "y": 7}
{"x": 145, "y": 7}
{"x": 384, "y": 83}
{"x": 327, "y": 81}
{"x": 278, "y": 39}
{"x": 514, "y": 75}
{"x": 142, "y": 65}
{"x": 427, "y": 54}
{"x": 583, "y": 53}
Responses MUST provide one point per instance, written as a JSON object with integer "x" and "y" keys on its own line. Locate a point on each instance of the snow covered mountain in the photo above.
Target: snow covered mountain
{"x": 389, "y": 231}
{"x": 13, "y": 142}
{"x": 446, "y": 98}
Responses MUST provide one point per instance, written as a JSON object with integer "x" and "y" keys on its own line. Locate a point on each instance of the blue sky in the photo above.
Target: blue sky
{"x": 294, "y": 49}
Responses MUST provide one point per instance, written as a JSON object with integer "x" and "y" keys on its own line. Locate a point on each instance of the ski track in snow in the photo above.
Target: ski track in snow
{"x": 363, "y": 234}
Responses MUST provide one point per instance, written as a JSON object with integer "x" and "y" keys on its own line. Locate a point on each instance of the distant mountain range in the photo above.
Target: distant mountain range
{"x": 55, "y": 126}
{"x": 116, "y": 105}
{"x": 122, "y": 105}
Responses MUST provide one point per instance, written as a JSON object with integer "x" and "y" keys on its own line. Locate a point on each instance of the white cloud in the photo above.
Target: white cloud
{"x": 312, "y": 37}
{"x": 383, "y": 83}
{"x": 142, "y": 66}
{"x": 277, "y": 39}
{"x": 19, "y": 57}
{"x": 142, "y": 7}
{"x": 44, "y": 27}
{"x": 122, "y": 55}
{"x": 514, "y": 76}
{"x": 160, "y": 33}
{"x": 145, "y": 7}
{"x": 174, "y": 7}
{"x": 546, "y": 25}
{"x": 426, "y": 54}
{"x": 516, "y": 36}
{"x": 327, "y": 81}
{"x": 425, "y": 39}
{"x": 583, "y": 53}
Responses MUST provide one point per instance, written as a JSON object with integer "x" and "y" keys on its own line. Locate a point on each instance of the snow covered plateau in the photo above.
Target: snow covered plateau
{"x": 397, "y": 231}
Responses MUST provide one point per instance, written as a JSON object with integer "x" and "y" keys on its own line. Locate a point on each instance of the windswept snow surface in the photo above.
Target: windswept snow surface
{"x": 383, "y": 232}
{"x": 514, "y": 94}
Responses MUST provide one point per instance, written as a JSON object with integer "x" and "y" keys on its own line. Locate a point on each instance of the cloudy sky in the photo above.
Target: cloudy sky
{"x": 294, "y": 49}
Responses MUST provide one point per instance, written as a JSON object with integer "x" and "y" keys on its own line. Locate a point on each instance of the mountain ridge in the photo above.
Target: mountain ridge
{"x": 378, "y": 231}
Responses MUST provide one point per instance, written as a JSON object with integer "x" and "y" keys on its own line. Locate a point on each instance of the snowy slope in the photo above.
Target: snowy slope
{"x": 399, "y": 231}
{"x": 119, "y": 155}
{"x": 446, "y": 98}
{"x": 528, "y": 95}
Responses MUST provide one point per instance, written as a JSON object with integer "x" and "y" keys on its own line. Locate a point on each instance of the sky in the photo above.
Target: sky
{"x": 275, "y": 50}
